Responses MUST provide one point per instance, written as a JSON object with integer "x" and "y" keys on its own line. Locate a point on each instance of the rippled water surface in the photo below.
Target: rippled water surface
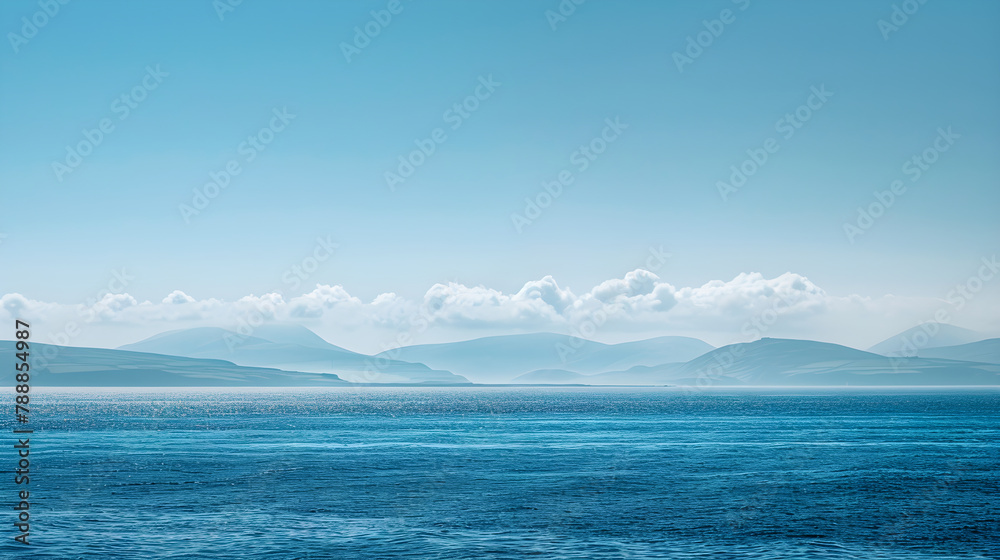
{"x": 512, "y": 473}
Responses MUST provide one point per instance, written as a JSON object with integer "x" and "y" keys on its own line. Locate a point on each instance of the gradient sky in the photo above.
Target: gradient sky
{"x": 323, "y": 175}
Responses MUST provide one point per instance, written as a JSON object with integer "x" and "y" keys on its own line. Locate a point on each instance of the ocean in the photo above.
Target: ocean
{"x": 490, "y": 472}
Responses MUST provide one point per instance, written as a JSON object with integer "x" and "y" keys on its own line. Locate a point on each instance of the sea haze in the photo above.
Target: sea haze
{"x": 510, "y": 472}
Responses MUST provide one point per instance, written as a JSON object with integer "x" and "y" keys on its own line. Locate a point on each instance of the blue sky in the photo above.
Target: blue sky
{"x": 655, "y": 185}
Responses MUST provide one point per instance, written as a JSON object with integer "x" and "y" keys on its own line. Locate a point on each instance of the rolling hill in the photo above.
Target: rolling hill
{"x": 772, "y": 361}
{"x": 985, "y": 351}
{"x": 288, "y": 347}
{"x": 294, "y": 356}
{"x": 500, "y": 359}
{"x": 783, "y": 362}
{"x": 68, "y": 366}
{"x": 928, "y": 335}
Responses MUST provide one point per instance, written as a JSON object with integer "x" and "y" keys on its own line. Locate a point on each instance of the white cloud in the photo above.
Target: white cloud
{"x": 14, "y": 304}
{"x": 638, "y": 304}
{"x": 536, "y": 304}
{"x": 324, "y": 298}
{"x": 266, "y": 304}
{"x": 111, "y": 306}
{"x": 636, "y": 283}
{"x": 752, "y": 293}
{"x": 178, "y": 297}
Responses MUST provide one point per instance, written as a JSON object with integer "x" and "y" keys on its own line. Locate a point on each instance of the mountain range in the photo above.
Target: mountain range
{"x": 927, "y": 335}
{"x": 289, "y": 347}
{"x": 783, "y": 362}
{"x": 69, "y": 366}
{"x": 291, "y": 355}
{"x": 498, "y": 359}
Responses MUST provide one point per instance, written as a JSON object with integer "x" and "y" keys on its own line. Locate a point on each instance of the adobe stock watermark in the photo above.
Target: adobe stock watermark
{"x": 958, "y": 297}
{"x": 122, "y": 107}
{"x": 787, "y": 126}
{"x": 585, "y": 330}
{"x": 714, "y": 28}
{"x": 364, "y": 34}
{"x": 899, "y": 17}
{"x": 753, "y": 329}
{"x": 293, "y": 277}
{"x": 580, "y": 159}
{"x": 299, "y": 272}
{"x": 914, "y": 168}
{"x": 249, "y": 149}
{"x": 419, "y": 323}
{"x": 120, "y": 280}
{"x": 31, "y": 25}
{"x": 963, "y": 293}
{"x": 223, "y": 7}
{"x": 563, "y": 11}
{"x": 455, "y": 116}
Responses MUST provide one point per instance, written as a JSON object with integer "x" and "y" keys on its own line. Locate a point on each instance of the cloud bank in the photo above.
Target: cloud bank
{"x": 637, "y": 305}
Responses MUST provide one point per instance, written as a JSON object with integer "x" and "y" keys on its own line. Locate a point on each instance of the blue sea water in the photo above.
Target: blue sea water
{"x": 510, "y": 473}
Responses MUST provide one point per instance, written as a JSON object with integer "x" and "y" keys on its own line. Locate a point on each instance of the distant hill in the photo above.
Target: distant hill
{"x": 100, "y": 367}
{"x": 500, "y": 359}
{"x": 542, "y": 358}
{"x": 495, "y": 359}
{"x": 928, "y": 335}
{"x": 214, "y": 341}
{"x": 649, "y": 352}
{"x": 783, "y": 362}
{"x": 772, "y": 361}
{"x": 288, "y": 347}
{"x": 986, "y": 351}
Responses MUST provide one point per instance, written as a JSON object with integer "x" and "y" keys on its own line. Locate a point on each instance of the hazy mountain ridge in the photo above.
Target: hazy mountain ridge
{"x": 197, "y": 357}
{"x": 504, "y": 358}
{"x": 289, "y": 347}
{"x": 69, "y": 366}
{"x": 786, "y": 362}
{"x": 927, "y": 335}
{"x": 984, "y": 351}
{"x": 771, "y": 361}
